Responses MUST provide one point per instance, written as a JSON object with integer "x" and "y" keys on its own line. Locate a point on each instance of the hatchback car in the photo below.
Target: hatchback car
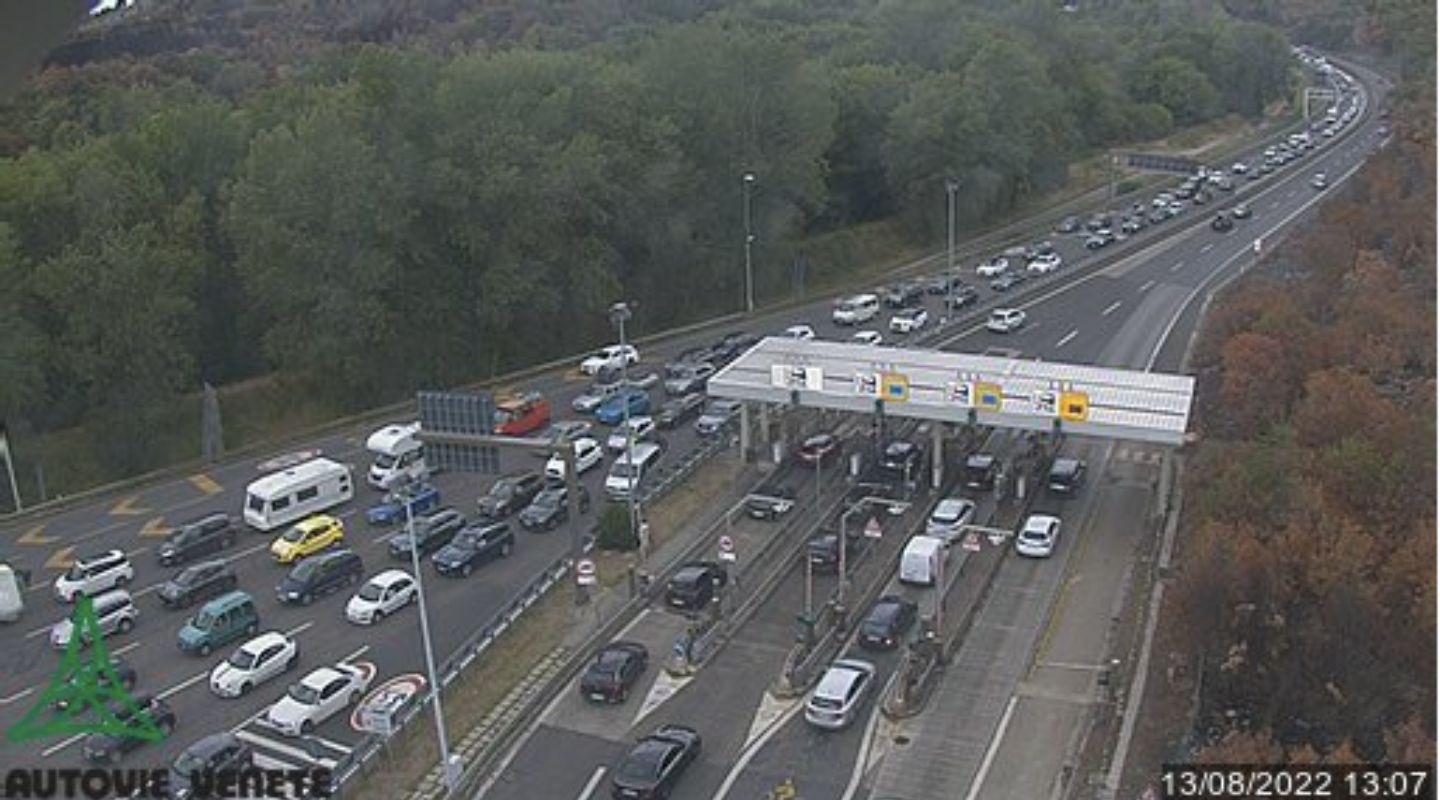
{"x": 909, "y": 320}
{"x": 689, "y": 378}
{"x": 587, "y": 401}
{"x": 1240, "y": 211}
{"x": 114, "y": 610}
{"x": 1038, "y": 537}
{"x": 587, "y": 457}
{"x": 716, "y": 416}
{"x": 1066, "y": 475}
{"x": 631, "y": 402}
{"x": 694, "y": 585}
{"x": 110, "y": 748}
{"x": 803, "y": 332}
{"x": 203, "y": 536}
{"x": 652, "y": 768}
{"x": 197, "y": 582}
{"x": 551, "y": 508}
{"x": 307, "y": 537}
{"x": 949, "y": 518}
{"x": 961, "y": 296}
{"x": 94, "y": 574}
{"x": 1008, "y": 281}
{"x": 431, "y": 532}
{"x": 843, "y": 689}
{"x": 888, "y": 621}
{"x": 992, "y": 267}
{"x": 381, "y": 596}
{"x": 770, "y": 502}
{"x": 1005, "y": 320}
{"x": 641, "y": 428}
{"x": 1044, "y": 263}
{"x": 613, "y": 670}
{"x": 411, "y": 500}
{"x": 476, "y": 545}
{"x": 822, "y": 448}
{"x": 867, "y": 338}
{"x": 256, "y": 661}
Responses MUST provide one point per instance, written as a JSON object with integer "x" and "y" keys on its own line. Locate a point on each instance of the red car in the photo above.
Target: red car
{"x": 821, "y": 448}
{"x": 522, "y": 414}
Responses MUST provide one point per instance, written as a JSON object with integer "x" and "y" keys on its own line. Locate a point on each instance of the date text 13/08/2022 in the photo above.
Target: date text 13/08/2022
{"x": 1315, "y": 781}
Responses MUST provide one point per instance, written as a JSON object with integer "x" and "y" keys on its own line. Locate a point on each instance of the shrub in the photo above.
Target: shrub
{"x": 615, "y": 531}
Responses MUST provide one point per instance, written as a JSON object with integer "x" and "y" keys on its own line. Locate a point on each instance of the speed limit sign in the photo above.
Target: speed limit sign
{"x": 585, "y": 572}
{"x": 727, "y": 548}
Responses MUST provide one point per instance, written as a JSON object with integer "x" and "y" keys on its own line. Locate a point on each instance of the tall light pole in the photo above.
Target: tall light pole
{"x": 619, "y": 313}
{"x": 748, "y": 180}
{"x": 951, "y": 187}
{"x": 452, "y": 776}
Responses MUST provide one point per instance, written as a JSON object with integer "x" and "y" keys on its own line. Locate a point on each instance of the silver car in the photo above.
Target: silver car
{"x": 838, "y": 697}
{"x": 115, "y": 611}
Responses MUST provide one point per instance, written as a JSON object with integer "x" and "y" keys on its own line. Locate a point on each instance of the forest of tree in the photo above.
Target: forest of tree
{"x": 368, "y": 198}
{"x": 1307, "y": 590}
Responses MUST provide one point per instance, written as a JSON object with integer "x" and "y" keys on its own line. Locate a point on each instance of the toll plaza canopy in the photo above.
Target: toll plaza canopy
{"x": 990, "y": 390}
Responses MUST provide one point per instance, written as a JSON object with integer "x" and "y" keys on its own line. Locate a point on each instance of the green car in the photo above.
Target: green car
{"x": 228, "y": 617}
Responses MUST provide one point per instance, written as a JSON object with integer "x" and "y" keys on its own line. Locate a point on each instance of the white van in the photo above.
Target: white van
{"x": 857, "y": 309}
{"x": 293, "y": 494}
{"x": 399, "y": 456}
{"x": 920, "y": 563}
{"x": 630, "y": 470}
{"x": 12, "y": 594}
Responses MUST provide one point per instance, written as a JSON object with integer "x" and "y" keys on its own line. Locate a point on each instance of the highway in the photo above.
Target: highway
{"x": 1019, "y": 686}
{"x": 1078, "y": 321}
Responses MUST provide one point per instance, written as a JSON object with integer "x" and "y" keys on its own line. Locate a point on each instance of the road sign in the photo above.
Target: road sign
{"x": 895, "y": 387}
{"x": 727, "y": 548}
{"x": 872, "y": 529}
{"x": 377, "y": 713}
{"x": 971, "y": 542}
{"x": 1046, "y": 402}
{"x": 997, "y": 538}
{"x": 1074, "y": 406}
{"x": 784, "y": 376}
{"x": 962, "y": 393}
{"x": 988, "y": 396}
{"x": 585, "y": 572}
{"x": 462, "y": 413}
{"x": 867, "y": 384}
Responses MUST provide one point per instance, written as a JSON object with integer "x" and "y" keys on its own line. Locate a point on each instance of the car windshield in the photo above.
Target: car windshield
{"x": 385, "y": 461}
{"x": 548, "y": 499}
{"x": 817, "y": 442}
{"x": 948, "y": 512}
{"x": 304, "y": 694}
{"x": 188, "y": 762}
{"x": 295, "y": 534}
{"x": 1034, "y": 536}
{"x": 502, "y": 490}
{"x": 829, "y": 703}
{"x": 881, "y": 616}
{"x": 188, "y": 576}
{"x": 75, "y": 573}
{"x": 621, "y": 469}
{"x": 371, "y": 592}
{"x": 242, "y": 658}
{"x": 643, "y": 763}
{"x": 204, "y": 620}
{"x": 610, "y": 660}
{"x": 305, "y": 569}
{"x": 468, "y": 539}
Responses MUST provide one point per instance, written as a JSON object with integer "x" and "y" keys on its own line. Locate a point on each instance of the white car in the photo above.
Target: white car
{"x": 592, "y": 398}
{"x": 318, "y": 697}
{"x": 949, "y": 518}
{"x": 1005, "y": 320}
{"x": 92, "y": 575}
{"x": 909, "y": 320}
{"x": 254, "y": 663}
{"x": 1042, "y": 264}
{"x": 1039, "y": 536}
{"x": 1175, "y": 208}
{"x": 993, "y": 267}
{"x": 799, "y": 332}
{"x": 1240, "y": 168}
{"x": 587, "y": 456}
{"x": 614, "y": 355}
{"x": 642, "y": 427}
{"x": 381, "y": 596}
{"x": 867, "y": 337}
{"x": 837, "y": 699}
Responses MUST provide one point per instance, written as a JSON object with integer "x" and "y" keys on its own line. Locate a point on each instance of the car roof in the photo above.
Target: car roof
{"x": 952, "y": 505}
{"x": 317, "y": 521}
{"x": 838, "y": 678}
{"x": 263, "y": 641}
{"x": 389, "y": 576}
{"x": 322, "y": 677}
{"x": 1040, "y": 522}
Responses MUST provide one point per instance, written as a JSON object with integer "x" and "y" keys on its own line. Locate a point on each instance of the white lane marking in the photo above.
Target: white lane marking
{"x": 359, "y": 651}
{"x": 183, "y": 685}
{"x": 1208, "y": 247}
{"x": 1177, "y": 266}
{"x": 52, "y": 750}
{"x": 665, "y": 687}
{"x": 592, "y": 783}
{"x": 5, "y": 701}
{"x": 749, "y": 753}
{"x": 1274, "y": 203}
{"x": 1146, "y": 286}
{"x": 299, "y": 629}
{"x": 122, "y": 650}
{"x": 992, "y": 750}
{"x": 1110, "y": 309}
{"x": 771, "y": 709}
{"x": 1064, "y": 340}
{"x": 247, "y": 551}
{"x": 860, "y": 760}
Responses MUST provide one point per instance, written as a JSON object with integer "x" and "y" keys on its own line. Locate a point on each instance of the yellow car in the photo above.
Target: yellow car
{"x": 306, "y": 537}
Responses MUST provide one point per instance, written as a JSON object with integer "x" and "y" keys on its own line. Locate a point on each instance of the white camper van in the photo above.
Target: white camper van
{"x": 293, "y": 494}
{"x": 399, "y": 456}
{"x": 857, "y": 309}
{"x": 920, "y": 563}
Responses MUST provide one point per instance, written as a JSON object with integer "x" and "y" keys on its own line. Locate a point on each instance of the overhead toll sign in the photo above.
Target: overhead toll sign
{"x": 999, "y": 390}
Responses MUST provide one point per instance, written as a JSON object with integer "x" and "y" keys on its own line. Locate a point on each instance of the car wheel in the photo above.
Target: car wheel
{"x": 505, "y": 550}
{"x": 227, "y": 542}
{"x": 168, "y": 726}
{"x": 245, "y": 688}
{"x": 465, "y": 571}
{"x": 126, "y": 625}
{"x": 250, "y": 629}
{"x": 122, "y": 580}
{"x": 306, "y": 727}
{"x": 306, "y": 599}
{"x": 293, "y": 662}
{"x": 204, "y": 649}
{"x": 550, "y": 524}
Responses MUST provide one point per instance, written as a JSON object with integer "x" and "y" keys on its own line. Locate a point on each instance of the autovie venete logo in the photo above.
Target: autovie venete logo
{"x": 86, "y": 697}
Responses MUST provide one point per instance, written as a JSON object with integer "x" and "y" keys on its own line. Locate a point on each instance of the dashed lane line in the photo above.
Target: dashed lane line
{"x": 1110, "y": 309}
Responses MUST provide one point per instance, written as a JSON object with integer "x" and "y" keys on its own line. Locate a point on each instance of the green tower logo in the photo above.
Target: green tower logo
{"x": 85, "y": 694}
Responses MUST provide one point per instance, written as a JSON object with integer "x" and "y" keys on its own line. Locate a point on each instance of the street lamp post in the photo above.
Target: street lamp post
{"x": 951, "y": 187}
{"x": 748, "y": 182}
{"x": 619, "y": 313}
{"x": 451, "y": 774}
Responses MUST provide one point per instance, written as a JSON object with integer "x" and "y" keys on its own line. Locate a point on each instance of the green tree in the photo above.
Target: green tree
{"x": 1179, "y": 86}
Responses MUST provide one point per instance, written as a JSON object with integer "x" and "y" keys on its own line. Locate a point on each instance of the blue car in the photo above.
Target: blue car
{"x": 391, "y": 510}
{"x": 612, "y": 411}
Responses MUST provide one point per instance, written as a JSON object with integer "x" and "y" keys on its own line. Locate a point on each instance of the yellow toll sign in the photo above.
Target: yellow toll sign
{"x": 1074, "y": 406}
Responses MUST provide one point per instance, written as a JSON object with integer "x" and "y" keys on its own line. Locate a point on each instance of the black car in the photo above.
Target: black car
{"x": 1008, "y": 281}
{"x": 1222, "y": 223}
{"x": 1098, "y": 223}
{"x": 550, "y": 508}
{"x": 770, "y": 502}
{"x": 1158, "y": 216}
{"x": 903, "y": 460}
{"x": 822, "y": 448}
{"x": 433, "y": 531}
{"x": 319, "y": 575}
{"x": 197, "y": 582}
{"x": 1068, "y": 225}
{"x": 678, "y": 409}
{"x": 945, "y": 283}
{"x": 1099, "y": 240}
{"x": 613, "y": 671}
{"x": 695, "y": 355}
{"x": 694, "y": 585}
{"x": 472, "y": 547}
{"x": 121, "y": 673}
{"x": 652, "y": 768}
{"x": 823, "y": 551}
{"x": 981, "y": 469}
{"x": 1066, "y": 475}
{"x": 734, "y": 344}
{"x": 200, "y": 537}
{"x": 216, "y": 753}
{"x": 109, "y": 748}
{"x": 962, "y": 295}
{"x": 903, "y": 295}
{"x": 887, "y": 622}
{"x": 510, "y": 494}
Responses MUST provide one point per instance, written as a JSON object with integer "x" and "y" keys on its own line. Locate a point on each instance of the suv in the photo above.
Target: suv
{"x": 472, "y": 546}
{"x": 510, "y": 494}
{"x": 114, "y": 610}
{"x": 981, "y": 470}
{"x": 201, "y": 537}
{"x": 694, "y": 585}
{"x": 1066, "y": 475}
{"x": 716, "y": 416}
{"x": 1005, "y": 320}
{"x": 94, "y": 574}
{"x": 216, "y": 753}
{"x": 431, "y": 532}
{"x": 320, "y": 575}
{"x": 197, "y": 582}
{"x": 904, "y": 460}
{"x": 842, "y": 690}
{"x": 823, "y": 551}
{"x": 687, "y": 378}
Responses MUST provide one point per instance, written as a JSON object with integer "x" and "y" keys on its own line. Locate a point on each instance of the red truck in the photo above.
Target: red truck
{"x": 521, "y": 414}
